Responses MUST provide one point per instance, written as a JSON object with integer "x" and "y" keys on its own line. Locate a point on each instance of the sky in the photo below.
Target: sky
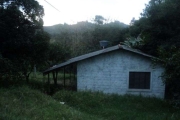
{"x": 73, "y": 11}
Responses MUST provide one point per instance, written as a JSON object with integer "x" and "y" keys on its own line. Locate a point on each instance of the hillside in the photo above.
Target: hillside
{"x": 25, "y": 103}
{"x": 59, "y": 28}
{"x": 84, "y": 37}
{"x": 79, "y": 27}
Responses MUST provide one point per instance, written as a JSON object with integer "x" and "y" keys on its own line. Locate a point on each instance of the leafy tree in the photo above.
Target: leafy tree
{"x": 99, "y": 20}
{"x": 170, "y": 61}
{"x": 159, "y": 28}
{"x": 37, "y": 54}
{"x": 132, "y": 21}
{"x": 22, "y": 40}
{"x": 134, "y": 42}
{"x": 57, "y": 53}
{"x": 159, "y": 25}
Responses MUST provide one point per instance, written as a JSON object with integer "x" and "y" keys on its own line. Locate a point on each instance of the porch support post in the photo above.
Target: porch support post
{"x": 48, "y": 90}
{"x": 56, "y": 74}
{"x": 64, "y": 76}
{"x": 74, "y": 73}
{"x": 75, "y": 81}
{"x": 70, "y": 73}
{"x": 48, "y": 79}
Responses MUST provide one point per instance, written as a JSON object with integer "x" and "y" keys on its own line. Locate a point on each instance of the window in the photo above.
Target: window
{"x": 139, "y": 80}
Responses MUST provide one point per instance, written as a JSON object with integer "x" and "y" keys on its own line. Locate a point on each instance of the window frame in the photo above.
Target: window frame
{"x": 136, "y": 89}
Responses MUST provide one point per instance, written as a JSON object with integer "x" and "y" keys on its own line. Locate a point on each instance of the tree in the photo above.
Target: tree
{"x": 159, "y": 25}
{"x": 99, "y": 19}
{"x": 132, "y": 21}
{"x": 22, "y": 39}
{"x": 170, "y": 61}
{"x": 57, "y": 53}
{"x": 159, "y": 28}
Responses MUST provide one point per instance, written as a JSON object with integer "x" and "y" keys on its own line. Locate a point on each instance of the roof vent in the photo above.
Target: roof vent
{"x": 104, "y": 43}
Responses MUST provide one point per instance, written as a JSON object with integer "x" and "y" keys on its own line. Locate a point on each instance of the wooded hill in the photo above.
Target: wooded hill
{"x": 84, "y": 36}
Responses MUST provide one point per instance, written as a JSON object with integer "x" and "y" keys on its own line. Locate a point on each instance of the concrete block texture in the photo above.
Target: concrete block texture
{"x": 109, "y": 73}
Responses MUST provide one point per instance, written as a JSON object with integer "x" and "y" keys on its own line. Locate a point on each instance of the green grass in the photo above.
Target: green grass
{"x": 114, "y": 107}
{"x": 23, "y": 103}
{"x": 20, "y": 101}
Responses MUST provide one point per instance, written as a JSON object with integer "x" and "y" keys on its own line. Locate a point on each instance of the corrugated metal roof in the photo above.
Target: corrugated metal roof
{"x": 92, "y": 54}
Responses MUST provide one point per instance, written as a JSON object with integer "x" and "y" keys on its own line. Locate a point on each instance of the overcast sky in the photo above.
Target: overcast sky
{"x": 73, "y": 11}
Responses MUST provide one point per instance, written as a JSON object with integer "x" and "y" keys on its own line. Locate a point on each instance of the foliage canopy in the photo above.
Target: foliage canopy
{"x": 159, "y": 30}
{"x": 22, "y": 39}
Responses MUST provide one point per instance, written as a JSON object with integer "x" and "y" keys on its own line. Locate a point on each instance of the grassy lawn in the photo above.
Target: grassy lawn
{"x": 23, "y": 103}
{"x": 115, "y": 107}
{"x": 28, "y": 102}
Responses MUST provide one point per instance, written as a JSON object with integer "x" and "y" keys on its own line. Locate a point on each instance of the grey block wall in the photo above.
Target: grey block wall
{"x": 109, "y": 73}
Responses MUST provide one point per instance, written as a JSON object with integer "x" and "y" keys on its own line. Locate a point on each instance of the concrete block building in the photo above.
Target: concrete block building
{"x": 118, "y": 70}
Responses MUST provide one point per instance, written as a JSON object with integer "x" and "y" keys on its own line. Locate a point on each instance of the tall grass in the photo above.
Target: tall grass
{"x": 115, "y": 107}
{"x": 23, "y": 103}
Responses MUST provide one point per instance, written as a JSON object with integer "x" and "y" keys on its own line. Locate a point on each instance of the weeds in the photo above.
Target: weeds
{"x": 119, "y": 107}
{"x": 20, "y": 103}
{"x": 25, "y": 101}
